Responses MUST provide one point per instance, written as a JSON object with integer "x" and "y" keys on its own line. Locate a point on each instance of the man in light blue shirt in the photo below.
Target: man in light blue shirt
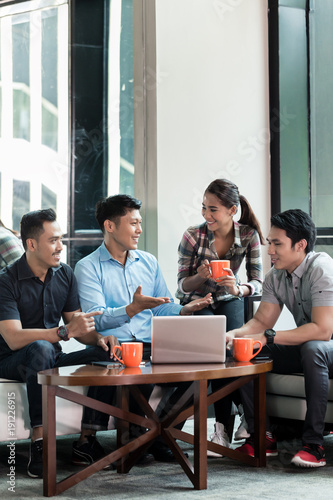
{"x": 126, "y": 284}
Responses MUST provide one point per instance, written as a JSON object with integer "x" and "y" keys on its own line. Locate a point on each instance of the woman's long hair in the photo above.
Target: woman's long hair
{"x": 228, "y": 194}
{"x": 11, "y": 230}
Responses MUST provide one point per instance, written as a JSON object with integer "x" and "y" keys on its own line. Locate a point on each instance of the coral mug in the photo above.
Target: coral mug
{"x": 243, "y": 348}
{"x": 131, "y": 353}
{"x": 217, "y": 268}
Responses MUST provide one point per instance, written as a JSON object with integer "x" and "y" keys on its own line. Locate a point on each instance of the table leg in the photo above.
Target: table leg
{"x": 49, "y": 442}
{"x": 200, "y": 435}
{"x": 122, "y": 425}
{"x": 260, "y": 418}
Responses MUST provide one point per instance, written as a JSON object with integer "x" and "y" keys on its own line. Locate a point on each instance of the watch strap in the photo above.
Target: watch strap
{"x": 270, "y": 334}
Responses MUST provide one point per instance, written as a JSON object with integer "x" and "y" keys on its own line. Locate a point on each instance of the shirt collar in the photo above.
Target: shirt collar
{"x": 300, "y": 270}
{"x": 24, "y": 271}
{"x": 237, "y": 241}
{"x": 105, "y": 255}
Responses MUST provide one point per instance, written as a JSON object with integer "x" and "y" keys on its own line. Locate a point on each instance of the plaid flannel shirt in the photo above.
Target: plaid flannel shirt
{"x": 11, "y": 248}
{"x": 197, "y": 244}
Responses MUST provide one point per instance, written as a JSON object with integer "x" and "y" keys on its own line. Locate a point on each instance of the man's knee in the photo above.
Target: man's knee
{"x": 96, "y": 353}
{"x": 40, "y": 355}
{"x": 316, "y": 352}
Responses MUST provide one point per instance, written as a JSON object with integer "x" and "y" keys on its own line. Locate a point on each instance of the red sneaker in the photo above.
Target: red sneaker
{"x": 271, "y": 448}
{"x": 311, "y": 455}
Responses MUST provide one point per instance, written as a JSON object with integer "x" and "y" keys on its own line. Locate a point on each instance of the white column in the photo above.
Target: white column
{"x": 113, "y": 98}
{"x": 7, "y": 78}
{"x": 35, "y": 60}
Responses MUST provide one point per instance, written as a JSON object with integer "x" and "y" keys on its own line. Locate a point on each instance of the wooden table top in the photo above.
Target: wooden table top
{"x": 91, "y": 375}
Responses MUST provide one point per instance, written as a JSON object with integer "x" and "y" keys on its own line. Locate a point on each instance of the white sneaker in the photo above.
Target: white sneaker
{"x": 219, "y": 437}
{"x": 242, "y": 431}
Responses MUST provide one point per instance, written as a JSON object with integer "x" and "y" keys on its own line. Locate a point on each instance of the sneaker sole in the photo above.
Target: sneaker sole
{"x": 302, "y": 463}
{"x": 78, "y": 462}
{"x": 212, "y": 454}
{"x": 241, "y": 438}
{"x": 272, "y": 453}
{"x": 268, "y": 453}
{"x": 35, "y": 476}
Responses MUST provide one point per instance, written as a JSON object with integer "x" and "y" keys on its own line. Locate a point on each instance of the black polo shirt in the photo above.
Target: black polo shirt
{"x": 36, "y": 304}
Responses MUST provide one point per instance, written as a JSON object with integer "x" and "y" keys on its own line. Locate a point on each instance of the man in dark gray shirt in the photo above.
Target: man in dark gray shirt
{"x": 302, "y": 280}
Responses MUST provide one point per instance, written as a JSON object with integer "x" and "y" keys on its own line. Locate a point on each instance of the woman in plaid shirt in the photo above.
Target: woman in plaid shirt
{"x": 220, "y": 237}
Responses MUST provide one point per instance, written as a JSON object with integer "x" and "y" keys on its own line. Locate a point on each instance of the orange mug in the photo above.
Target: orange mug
{"x": 131, "y": 353}
{"x": 217, "y": 268}
{"x": 133, "y": 370}
{"x": 242, "y": 348}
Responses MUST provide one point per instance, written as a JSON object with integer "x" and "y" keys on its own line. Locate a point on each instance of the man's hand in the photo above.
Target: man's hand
{"x": 141, "y": 302}
{"x": 82, "y": 323}
{"x": 107, "y": 343}
{"x": 196, "y": 305}
{"x": 229, "y": 338}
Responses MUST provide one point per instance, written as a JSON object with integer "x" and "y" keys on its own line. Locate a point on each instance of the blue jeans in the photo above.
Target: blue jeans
{"x": 234, "y": 312}
{"x": 315, "y": 360}
{"x": 24, "y": 364}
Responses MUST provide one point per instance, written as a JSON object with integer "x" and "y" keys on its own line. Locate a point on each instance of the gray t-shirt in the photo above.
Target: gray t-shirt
{"x": 310, "y": 285}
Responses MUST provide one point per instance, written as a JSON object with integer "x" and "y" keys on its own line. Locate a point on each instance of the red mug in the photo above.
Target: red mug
{"x": 218, "y": 268}
{"x": 242, "y": 348}
{"x": 131, "y": 353}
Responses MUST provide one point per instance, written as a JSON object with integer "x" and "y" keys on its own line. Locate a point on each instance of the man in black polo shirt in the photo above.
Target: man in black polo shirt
{"x": 35, "y": 293}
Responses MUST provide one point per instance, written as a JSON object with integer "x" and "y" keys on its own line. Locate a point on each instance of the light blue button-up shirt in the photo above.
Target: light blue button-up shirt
{"x": 108, "y": 286}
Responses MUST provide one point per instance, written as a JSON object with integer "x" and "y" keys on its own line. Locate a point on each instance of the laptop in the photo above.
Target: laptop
{"x": 188, "y": 339}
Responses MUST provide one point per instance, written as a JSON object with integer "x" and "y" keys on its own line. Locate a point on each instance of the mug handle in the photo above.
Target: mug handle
{"x": 115, "y": 355}
{"x": 254, "y": 343}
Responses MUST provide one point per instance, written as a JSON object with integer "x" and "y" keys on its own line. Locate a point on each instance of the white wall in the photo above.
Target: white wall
{"x": 212, "y": 112}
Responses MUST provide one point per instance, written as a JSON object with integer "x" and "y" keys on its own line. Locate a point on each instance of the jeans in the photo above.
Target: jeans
{"x": 24, "y": 365}
{"x": 315, "y": 360}
{"x": 234, "y": 312}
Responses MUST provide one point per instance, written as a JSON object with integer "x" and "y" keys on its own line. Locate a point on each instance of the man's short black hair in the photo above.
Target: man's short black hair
{"x": 298, "y": 225}
{"x": 114, "y": 207}
{"x": 32, "y": 224}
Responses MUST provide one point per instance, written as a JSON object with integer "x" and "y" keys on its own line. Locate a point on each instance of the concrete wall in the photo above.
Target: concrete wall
{"x": 212, "y": 112}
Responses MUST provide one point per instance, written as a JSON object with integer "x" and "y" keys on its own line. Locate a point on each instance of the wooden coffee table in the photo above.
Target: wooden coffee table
{"x": 58, "y": 381}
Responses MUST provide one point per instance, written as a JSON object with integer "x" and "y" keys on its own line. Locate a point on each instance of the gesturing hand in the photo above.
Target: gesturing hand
{"x": 196, "y": 305}
{"x": 82, "y": 323}
{"x": 141, "y": 302}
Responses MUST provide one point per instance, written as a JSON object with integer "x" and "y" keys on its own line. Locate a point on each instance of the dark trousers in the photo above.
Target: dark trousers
{"x": 25, "y": 363}
{"x": 234, "y": 312}
{"x": 315, "y": 360}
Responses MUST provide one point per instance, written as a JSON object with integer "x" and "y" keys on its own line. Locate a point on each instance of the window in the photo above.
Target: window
{"x": 34, "y": 108}
{"x": 55, "y": 151}
{"x": 301, "y": 77}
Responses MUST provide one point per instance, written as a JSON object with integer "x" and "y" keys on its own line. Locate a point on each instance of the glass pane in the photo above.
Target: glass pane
{"x": 34, "y": 109}
{"x": 121, "y": 125}
{"x": 103, "y": 107}
{"x": 293, "y": 106}
{"x": 21, "y": 202}
{"x": 321, "y": 83}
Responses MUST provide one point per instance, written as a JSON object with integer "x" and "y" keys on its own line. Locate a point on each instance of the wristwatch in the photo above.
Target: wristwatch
{"x": 241, "y": 293}
{"x": 63, "y": 332}
{"x": 270, "y": 334}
